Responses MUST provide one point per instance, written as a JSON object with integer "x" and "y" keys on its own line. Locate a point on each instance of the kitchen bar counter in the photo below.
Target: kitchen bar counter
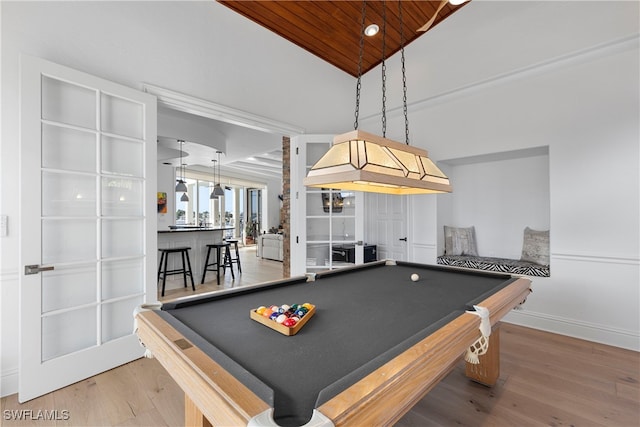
{"x": 197, "y": 238}
{"x": 183, "y": 228}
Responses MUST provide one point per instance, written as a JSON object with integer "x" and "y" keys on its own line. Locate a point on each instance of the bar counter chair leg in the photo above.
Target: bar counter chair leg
{"x": 186, "y": 254}
{"x": 209, "y": 266}
{"x": 236, "y": 260}
{"x": 218, "y": 250}
{"x": 227, "y": 260}
{"x": 164, "y": 276}
{"x": 162, "y": 254}
{"x": 206, "y": 263}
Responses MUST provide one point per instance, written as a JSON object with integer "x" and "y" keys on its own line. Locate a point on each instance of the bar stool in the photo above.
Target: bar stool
{"x": 235, "y": 260}
{"x": 185, "y": 270}
{"x": 215, "y": 266}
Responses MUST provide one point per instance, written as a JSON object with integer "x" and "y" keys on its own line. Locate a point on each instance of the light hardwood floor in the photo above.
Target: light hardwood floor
{"x": 546, "y": 380}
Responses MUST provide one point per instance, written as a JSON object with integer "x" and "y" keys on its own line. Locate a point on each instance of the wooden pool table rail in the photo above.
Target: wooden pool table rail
{"x": 385, "y": 395}
{"x": 211, "y": 393}
{"x": 215, "y": 397}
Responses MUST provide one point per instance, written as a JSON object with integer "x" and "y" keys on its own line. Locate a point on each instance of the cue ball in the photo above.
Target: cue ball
{"x": 415, "y": 277}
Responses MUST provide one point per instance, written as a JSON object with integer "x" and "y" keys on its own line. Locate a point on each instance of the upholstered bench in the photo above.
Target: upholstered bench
{"x": 460, "y": 251}
{"x": 502, "y": 265}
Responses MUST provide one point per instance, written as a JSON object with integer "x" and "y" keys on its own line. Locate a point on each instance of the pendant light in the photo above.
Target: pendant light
{"x": 213, "y": 195}
{"x": 362, "y": 161}
{"x": 181, "y": 187}
{"x": 217, "y": 189}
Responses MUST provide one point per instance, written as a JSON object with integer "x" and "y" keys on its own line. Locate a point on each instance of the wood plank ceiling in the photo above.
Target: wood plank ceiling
{"x": 331, "y": 29}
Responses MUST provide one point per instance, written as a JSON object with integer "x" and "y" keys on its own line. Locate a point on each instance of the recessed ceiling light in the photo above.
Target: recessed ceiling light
{"x": 372, "y": 30}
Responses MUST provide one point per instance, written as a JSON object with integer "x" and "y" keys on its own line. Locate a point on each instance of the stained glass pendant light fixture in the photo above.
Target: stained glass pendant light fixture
{"x": 217, "y": 189}
{"x": 362, "y": 161}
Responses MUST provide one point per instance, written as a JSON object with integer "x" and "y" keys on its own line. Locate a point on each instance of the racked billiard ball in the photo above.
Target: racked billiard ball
{"x": 289, "y": 322}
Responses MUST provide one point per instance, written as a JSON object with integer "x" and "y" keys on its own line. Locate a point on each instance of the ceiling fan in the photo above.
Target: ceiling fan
{"x": 443, "y": 3}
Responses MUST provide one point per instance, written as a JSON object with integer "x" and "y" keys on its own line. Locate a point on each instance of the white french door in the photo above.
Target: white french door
{"x": 87, "y": 223}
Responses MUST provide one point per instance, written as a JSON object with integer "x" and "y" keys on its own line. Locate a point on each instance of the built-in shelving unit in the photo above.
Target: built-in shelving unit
{"x": 332, "y": 218}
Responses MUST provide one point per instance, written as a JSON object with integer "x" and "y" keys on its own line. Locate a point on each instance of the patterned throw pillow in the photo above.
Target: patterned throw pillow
{"x": 535, "y": 246}
{"x": 460, "y": 241}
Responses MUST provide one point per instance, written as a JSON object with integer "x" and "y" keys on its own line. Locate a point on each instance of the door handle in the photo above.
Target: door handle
{"x": 404, "y": 239}
{"x": 35, "y": 269}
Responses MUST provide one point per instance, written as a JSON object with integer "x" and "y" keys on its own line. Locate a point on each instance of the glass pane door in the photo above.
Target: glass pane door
{"x": 84, "y": 157}
{"x": 92, "y": 216}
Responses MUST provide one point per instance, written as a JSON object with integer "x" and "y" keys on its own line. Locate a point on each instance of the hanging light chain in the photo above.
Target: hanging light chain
{"x": 384, "y": 70}
{"x": 404, "y": 76}
{"x": 359, "y": 83}
{"x": 218, "y": 153}
{"x": 180, "y": 145}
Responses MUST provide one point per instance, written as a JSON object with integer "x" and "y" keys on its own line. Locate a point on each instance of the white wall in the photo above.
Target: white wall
{"x": 499, "y": 198}
{"x": 271, "y": 204}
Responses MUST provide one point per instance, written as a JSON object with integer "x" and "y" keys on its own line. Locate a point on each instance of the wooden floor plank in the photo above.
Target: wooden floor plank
{"x": 85, "y": 403}
{"x": 121, "y": 398}
{"x": 167, "y": 397}
{"x": 147, "y": 418}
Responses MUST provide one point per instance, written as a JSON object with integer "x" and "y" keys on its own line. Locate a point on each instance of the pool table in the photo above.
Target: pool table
{"x": 376, "y": 344}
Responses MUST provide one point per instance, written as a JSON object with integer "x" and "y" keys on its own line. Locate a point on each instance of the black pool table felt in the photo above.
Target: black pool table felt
{"x": 363, "y": 319}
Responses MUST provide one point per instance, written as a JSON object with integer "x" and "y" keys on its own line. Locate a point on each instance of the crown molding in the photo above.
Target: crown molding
{"x": 200, "y": 107}
{"x": 579, "y": 56}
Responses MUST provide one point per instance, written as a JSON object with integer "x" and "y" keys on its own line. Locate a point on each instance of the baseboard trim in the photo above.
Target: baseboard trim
{"x": 629, "y": 260}
{"x": 576, "y": 329}
{"x": 9, "y": 383}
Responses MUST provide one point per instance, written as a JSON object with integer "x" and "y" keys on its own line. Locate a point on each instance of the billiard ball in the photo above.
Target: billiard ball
{"x": 289, "y": 322}
{"x": 281, "y": 318}
{"x": 415, "y": 277}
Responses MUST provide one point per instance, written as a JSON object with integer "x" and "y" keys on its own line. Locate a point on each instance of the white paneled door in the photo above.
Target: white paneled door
{"x": 88, "y": 223}
{"x": 387, "y": 225}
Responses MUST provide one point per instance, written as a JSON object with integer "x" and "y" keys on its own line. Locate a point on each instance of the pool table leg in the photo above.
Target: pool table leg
{"x": 193, "y": 417}
{"x": 488, "y": 370}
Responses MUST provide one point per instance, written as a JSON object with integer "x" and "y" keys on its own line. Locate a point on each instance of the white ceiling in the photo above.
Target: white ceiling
{"x": 243, "y": 151}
